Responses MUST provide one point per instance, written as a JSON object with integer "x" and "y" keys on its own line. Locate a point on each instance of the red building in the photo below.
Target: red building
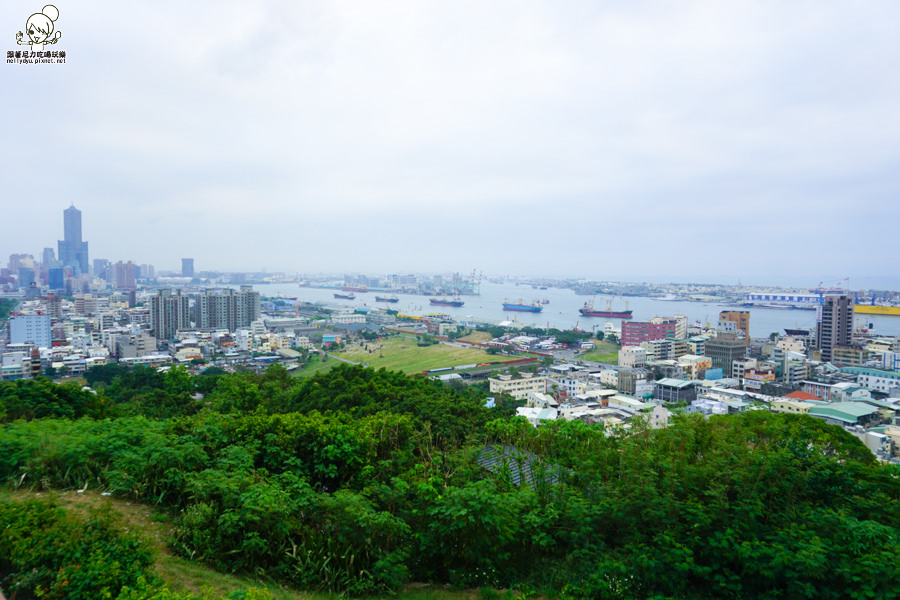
{"x": 635, "y": 332}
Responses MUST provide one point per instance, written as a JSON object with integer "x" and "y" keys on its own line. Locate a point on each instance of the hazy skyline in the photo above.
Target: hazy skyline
{"x": 700, "y": 141}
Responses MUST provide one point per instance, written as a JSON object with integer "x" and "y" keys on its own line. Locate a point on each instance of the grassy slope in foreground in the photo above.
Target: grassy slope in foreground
{"x": 185, "y": 576}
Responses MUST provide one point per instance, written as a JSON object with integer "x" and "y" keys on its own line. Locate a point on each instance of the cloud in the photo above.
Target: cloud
{"x": 235, "y": 129}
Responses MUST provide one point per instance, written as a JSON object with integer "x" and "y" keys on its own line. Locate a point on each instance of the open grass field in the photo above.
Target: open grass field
{"x": 477, "y": 337}
{"x": 402, "y": 354}
{"x": 182, "y": 575}
{"x": 604, "y": 352}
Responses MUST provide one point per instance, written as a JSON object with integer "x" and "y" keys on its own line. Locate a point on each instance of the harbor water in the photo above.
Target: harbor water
{"x": 561, "y": 310}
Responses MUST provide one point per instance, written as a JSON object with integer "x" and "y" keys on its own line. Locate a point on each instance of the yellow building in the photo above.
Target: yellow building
{"x": 794, "y": 407}
{"x": 518, "y": 388}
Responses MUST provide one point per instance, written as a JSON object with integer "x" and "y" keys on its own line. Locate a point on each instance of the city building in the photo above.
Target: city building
{"x": 26, "y": 277}
{"x": 635, "y": 332}
{"x": 632, "y": 356}
{"x": 56, "y": 279}
{"x": 169, "y": 312}
{"x": 187, "y": 267}
{"x": 30, "y": 329}
{"x": 724, "y": 349}
{"x": 125, "y": 275}
{"x": 228, "y": 309}
{"x": 73, "y": 251}
{"x": 741, "y": 320}
{"x": 518, "y": 388}
{"x": 675, "y": 390}
{"x": 834, "y": 325}
{"x": 681, "y": 324}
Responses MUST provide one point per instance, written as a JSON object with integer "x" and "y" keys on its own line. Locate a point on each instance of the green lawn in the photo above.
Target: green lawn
{"x": 402, "y": 354}
{"x": 477, "y": 337}
{"x": 604, "y": 352}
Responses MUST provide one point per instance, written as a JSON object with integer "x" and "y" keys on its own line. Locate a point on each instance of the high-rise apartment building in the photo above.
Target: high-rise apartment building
{"x": 73, "y": 251}
{"x": 227, "y": 309}
{"x": 169, "y": 312}
{"x": 187, "y": 267}
{"x": 125, "y": 275}
{"x": 834, "y": 324}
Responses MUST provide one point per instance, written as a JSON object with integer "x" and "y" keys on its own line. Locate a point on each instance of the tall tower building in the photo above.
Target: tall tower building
{"x": 187, "y": 267}
{"x": 169, "y": 312}
{"x": 73, "y": 252}
{"x": 834, "y": 325}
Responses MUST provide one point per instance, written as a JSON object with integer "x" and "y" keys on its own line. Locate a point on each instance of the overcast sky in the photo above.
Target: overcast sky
{"x": 674, "y": 141}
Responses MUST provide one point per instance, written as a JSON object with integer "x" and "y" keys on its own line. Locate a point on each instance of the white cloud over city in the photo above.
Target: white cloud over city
{"x": 692, "y": 140}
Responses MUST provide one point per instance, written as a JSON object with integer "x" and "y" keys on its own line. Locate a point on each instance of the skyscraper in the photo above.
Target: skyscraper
{"x": 73, "y": 252}
{"x": 834, "y": 325}
{"x": 187, "y": 267}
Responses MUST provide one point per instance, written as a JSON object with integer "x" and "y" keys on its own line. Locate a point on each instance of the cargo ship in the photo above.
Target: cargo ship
{"x": 342, "y": 296}
{"x": 354, "y": 288}
{"x": 588, "y": 310}
{"x": 391, "y": 299}
{"x": 520, "y": 306}
{"x": 445, "y": 302}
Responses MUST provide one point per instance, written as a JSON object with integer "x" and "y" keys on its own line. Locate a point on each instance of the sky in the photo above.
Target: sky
{"x": 652, "y": 141}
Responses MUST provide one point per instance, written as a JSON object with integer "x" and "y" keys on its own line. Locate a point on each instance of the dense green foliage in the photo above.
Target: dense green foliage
{"x": 47, "y": 553}
{"x": 357, "y": 481}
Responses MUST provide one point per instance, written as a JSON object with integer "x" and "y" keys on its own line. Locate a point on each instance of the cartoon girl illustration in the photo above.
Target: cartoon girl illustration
{"x": 40, "y": 29}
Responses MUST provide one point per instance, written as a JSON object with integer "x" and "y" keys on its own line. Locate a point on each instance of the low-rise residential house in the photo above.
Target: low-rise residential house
{"x": 659, "y": 417}
{"x": 707, "y": 407}
{"x": 537, "y": 415}
{"x": 540, "y": 400}
{"x": 608, "y": 378}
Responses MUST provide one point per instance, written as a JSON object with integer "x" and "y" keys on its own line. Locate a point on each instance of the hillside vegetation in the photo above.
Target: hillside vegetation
{"x": 358, "y": 481}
